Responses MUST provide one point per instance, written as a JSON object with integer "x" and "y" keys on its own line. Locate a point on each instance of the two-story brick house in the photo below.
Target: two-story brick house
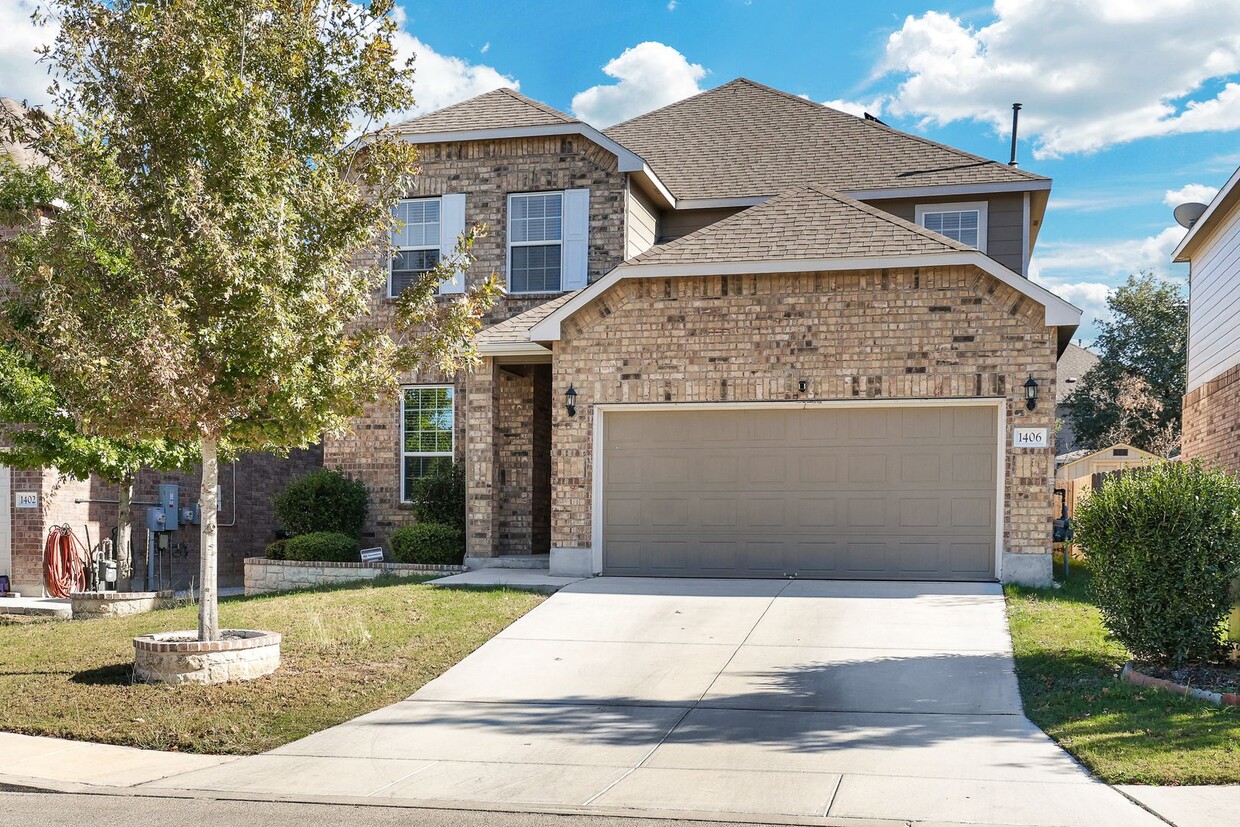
{"x": 745, "y": 335}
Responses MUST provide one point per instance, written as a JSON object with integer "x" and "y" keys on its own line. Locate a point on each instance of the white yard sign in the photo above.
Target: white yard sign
{"x": 1030, "y": 437}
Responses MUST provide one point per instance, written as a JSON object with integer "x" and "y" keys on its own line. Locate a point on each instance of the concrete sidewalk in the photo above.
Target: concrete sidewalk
{"x": 27, "y": 758}
{"x": 892, "y": 702}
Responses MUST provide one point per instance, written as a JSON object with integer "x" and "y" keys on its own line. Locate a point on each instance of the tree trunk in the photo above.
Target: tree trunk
{"x": 208, "y": 605}
{"x": 124, "y": 533}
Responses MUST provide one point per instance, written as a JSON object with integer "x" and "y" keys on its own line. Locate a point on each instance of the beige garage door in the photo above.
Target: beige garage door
{"x": 865, "y": 492}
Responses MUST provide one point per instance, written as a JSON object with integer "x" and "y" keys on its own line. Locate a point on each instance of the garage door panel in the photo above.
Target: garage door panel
{"x": 866, "y": 492}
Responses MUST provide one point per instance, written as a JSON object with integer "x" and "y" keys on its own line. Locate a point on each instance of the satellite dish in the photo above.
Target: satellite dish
{"x": 1186, "y": 215}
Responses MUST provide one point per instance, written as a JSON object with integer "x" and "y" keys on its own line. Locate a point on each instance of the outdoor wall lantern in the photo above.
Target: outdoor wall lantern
{"x": 1031, "y": 393}
{"x": 570, "y": 400}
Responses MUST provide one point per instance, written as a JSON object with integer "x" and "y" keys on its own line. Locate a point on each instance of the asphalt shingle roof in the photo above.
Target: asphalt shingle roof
{"x": 1073, "y": 364}
{"x": 809, "y": 222}
{"x": 745, "y": 139}
{"x": 518, "y": 327}
{"x": 500, "y": 109}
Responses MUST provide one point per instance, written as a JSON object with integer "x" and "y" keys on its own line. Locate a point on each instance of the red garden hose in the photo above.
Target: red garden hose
{"x": 64, "y": 562}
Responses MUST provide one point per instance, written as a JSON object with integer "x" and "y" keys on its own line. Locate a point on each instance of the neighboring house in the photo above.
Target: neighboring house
{"x": 745, "y": 335}
{"x": 33, "y": 501}
{"x": 1211, "y": 417}
{"x": 1074, "y": 363}
{"x": 1076, "y": 471}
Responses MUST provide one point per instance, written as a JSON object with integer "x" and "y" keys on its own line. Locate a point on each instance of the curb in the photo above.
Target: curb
{"x": 1131, "y": 675}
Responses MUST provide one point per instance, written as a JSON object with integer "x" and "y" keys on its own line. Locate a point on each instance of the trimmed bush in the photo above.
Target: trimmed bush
{"x": 439, "y": 497}
{"x": 275, "y": 551}
{"x": 433, "y": 544}
{"x": 1164, "y": 543}
{"x": 323, "y": 500}
{"x": 322, "y": 547}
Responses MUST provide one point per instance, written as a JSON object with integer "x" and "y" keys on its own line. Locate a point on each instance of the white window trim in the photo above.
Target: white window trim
{"x": 511, "y": 243}
{"x": 435, "y": 246}
{"x": 404, "y": 495}
{"x": 958, "y": 206}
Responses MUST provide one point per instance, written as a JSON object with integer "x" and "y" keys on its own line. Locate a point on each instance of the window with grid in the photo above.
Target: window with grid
{"x": 963, "y": 225}
{"x": 535, "y": 237}
{"x": 427, "y": 437}
{"x": 415, "y": 235}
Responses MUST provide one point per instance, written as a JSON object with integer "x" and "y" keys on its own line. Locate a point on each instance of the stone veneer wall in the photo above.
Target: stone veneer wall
{"x": 950, "y": 332}
{"x": 263, "y": 575}
{"x": 1212, "y": 422}
{"x": 486, "y": 172}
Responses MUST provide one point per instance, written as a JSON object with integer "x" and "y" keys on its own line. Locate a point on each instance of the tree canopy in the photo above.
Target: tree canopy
{"x": 218, "y": 233}
{"x": 1134, "y": 394}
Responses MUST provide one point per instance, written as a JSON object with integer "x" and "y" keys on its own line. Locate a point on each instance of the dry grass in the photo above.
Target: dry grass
{"x": 346, "y": 651}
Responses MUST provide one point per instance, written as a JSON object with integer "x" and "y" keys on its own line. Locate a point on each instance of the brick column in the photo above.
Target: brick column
{"x": 481, "y": 457}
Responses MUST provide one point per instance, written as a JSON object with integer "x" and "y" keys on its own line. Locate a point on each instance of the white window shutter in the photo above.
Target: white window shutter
{"x": 576, "y": 253}
{"x": 451, "y": 226}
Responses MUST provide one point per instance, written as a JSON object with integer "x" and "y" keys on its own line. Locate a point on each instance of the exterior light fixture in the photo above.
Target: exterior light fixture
{"x": 570, "y": 401}
{"x": 1031, "y": 393}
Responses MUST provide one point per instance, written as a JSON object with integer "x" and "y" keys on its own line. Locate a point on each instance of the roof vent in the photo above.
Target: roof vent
{"x": 1015, "y": 120}
{"x": 870, "y": 117}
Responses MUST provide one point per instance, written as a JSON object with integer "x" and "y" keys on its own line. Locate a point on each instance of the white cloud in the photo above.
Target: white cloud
{"x": 22, "y": 77}
{"x": 1190, "y": 193}
{"x": 857, "y": 108}
{"x": 486, "y": 47}
{"x": 1090, "y": 73}
{"x": 649, "y": 75}
{"x": 441, "y": 80}
{"x": 1083, "y": 272}
{"x": 671, "y": 5}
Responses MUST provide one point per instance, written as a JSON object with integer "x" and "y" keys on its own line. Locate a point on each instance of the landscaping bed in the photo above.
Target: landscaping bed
{"x": 345, "y": 651}
{"x": 1068, "y": 667}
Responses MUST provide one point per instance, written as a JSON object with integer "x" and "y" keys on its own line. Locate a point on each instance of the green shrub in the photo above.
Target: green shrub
{"x": 322, "y": 546}
{"x": 1164, "y": 543}
{"x": 275, "y": 551}
{"x": 432, "y": 544}
{"x": 323, "y": 500}
{"x": 439, "y": 497}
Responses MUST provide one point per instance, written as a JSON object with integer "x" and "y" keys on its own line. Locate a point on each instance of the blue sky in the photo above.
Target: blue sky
{"x": 1125, "y": 101}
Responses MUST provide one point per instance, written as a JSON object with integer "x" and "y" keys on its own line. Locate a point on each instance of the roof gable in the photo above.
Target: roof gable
{"x": 809, "y": 222}
{"x": 494, "y": 110}
{"x": 1073, "y": 364}
{"x": 744, "y": 139}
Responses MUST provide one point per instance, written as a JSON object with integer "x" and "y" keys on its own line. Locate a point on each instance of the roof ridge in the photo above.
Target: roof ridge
{"x": 667, "y": 106}
{"x": 877, "y": 124}
{"x": 537, "y": 104}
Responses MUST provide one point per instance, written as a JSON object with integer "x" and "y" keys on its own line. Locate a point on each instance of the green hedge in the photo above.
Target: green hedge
{"x": 275, "y": 551}
{"x": 322, "y": 546}
{"x": 432, "y": 544}
{"x": 439, "y": 497}
{"x": 322, "y": 500}
{"x": 1164, "y": 543}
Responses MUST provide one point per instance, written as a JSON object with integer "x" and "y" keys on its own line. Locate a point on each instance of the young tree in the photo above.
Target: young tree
{"x": 1134, "y": 393}
{"x": 217, "y": 235}
{"x": 40, "y": 432}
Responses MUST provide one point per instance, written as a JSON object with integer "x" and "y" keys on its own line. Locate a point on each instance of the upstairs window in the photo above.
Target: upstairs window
{"x": 415, "y": 237}
{"x": 535, "y": 242}
{"x": 965, "y": 223}
{"x": 427, "y": 431}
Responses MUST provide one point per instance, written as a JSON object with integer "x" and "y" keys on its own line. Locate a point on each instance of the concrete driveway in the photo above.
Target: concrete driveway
{"x": 801, "y": 699}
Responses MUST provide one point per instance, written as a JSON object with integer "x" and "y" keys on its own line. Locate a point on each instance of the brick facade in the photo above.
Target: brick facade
{"x": 894, "y": 334}
{"x": 247, "y": 524}
{"x": 1211, "y": 431}
{"x": 487, "y": 172}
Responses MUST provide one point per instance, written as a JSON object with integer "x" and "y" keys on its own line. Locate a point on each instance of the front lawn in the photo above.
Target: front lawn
{"x": 1067, "y": 666}
{"x": 346, "y": 651}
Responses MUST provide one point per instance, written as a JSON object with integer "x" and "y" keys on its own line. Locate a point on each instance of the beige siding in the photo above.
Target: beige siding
{"x": 1005, "y": 225}
{"x": 1214, "y": 304}
{"x": 640, "y": 222}
{"x": 677, "y": 223}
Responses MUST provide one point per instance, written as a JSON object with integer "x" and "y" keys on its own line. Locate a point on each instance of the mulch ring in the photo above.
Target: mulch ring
{"x": 1216, "y": 683}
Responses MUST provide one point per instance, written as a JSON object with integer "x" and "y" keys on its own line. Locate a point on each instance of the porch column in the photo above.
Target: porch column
{"x": 481, "y": 461}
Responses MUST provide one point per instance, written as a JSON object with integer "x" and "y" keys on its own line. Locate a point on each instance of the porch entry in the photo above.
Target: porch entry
{"x": 874, "y": 491}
